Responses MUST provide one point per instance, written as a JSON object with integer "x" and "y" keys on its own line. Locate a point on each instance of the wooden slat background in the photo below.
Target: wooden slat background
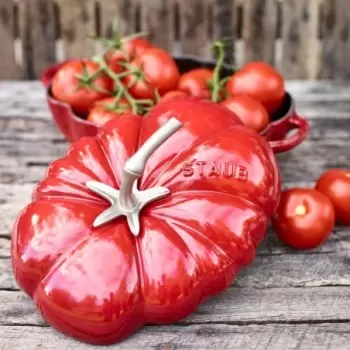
{"x": 304, "y": 39}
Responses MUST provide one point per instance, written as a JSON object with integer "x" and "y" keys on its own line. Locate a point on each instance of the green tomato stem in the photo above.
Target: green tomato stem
{"x": 119, "y": 85}
{"x": 216, "y": 76}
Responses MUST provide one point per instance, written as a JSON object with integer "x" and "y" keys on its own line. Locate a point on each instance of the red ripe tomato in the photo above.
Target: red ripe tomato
{"x": 130, "y": 50}
{"x": 252, "y": 113}
{"x": 103, "y": 111}
{"x": 260, "y": 81}
{"x": 76, "y": 85}
{"x": 172, "y": 94}
{"x": 155, "y": 69}
{"x": 304, "y": 218}
{"x": 335, "y": 184}
{"x": 196, "y": 82}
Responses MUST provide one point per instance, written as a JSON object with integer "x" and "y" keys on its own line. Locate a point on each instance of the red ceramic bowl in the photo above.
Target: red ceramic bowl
{"x": 282, "y": 122}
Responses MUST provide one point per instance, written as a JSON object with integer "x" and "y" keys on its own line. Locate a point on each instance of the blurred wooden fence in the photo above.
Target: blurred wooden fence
{"x": 305, "y": 39}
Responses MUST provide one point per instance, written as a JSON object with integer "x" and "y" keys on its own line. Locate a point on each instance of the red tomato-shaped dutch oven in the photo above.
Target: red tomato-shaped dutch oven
{"x": 142, "y": 222}
{"x": 283, "y": 121}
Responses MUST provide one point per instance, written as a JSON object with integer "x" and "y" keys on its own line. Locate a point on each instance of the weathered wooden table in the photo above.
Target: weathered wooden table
{"x": 284, "y": 300}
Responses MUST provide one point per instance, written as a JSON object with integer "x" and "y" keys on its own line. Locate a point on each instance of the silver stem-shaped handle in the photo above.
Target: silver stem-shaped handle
{"x": 129, "y": 201}
{"x": 136, "y": 163}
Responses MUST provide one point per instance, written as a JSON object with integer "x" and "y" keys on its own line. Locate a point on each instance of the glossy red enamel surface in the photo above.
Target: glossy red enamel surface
{"x": 101, "y": 284}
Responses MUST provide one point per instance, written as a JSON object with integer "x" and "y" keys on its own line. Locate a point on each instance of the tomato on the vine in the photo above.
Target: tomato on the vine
{"x": 130, "y": 49}
{"x": 335, "y": 184}
{"x": 172, "y": 94}
{"x": 260, "y": 81}
{"x": 304, "y": 218}
{"x": 81, "y": 84}
{"x": 154, "y": 70}
{"x": 196, "y": 82}
{"x": 105, "y": 110}
{"x": 252, "y": 113}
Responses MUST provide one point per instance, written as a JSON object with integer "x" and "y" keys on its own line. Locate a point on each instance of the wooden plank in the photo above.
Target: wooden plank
{"x": 193, "y": 16}
{"x": 238, "y": 6}
{"x": 11, "y": 202}
{"x": 17, "y": 98}
{"x": 306, "y": 90}
{"x": 323, "y": 109}
{"x": 224, "y": 25}
{"x": 7, "y": 281}
{"x": 5, "y": 244}
{"x": 335, "y": 132}
{"x": 24, "y": 137}
{"x": 338, "y": 242}
{"x": 124, "y": 10}
{"x": 157, "y": 19}
{"x": 310, "y": 159}
{"x": 14, "y": 197}
{"x": 268, "y": 270}
{"x": 8, "y": 66}
{"x": 326, "y": 89}
{"x": 20, "y": 155}
{"x": 27, "y": 99}
{"x": 29, "y": 102}
{"x": 37, "y": 32}
{"x": 300, "y": 39}
{"x": 77, "y": 19}
{"x": 24, "y": 175}
{"x": 237, "y": 306}
{"x": 325, "y": 336}
{"x": 336, "y": 40}
{"x": 259, "y": 30}
{"x": 295, "y": 170}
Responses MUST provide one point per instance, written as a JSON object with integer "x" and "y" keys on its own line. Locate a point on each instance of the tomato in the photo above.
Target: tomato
{"x": 304, "y": 218}
{"x": 196, "y": 82}
{"x": 74, "y": 85}
{"x": 130, "y": 49}
{"x": 252, "y": 113}
{"x": 155, "y": 69}
{"x": 335, "y": 184}
{"x": 172, "y": 94}
{"x": 103, "y": 111}
{"x": 260, "y": 81}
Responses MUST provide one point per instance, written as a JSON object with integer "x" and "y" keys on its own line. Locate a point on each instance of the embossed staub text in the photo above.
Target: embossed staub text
{"x": 215, "y": 169}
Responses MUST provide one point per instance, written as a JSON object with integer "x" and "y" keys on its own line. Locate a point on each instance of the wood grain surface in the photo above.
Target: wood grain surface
{"x": 8, "y": 66}
{"x": 38, "y": 34}
{"x": 300, "y": 51}
{"x": 284, "y": 300}
{"x": 259, "y": 30}
{"x": 304, "y": 39}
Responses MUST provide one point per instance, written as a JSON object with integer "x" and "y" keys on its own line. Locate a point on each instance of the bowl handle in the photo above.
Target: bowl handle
{"x": 294, "y": 122}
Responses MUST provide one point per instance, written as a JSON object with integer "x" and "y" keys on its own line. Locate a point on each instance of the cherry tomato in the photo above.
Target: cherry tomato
{"x": 252, "y": 113}
{"x": 335, "y": 184}
{"x": 196, "y": 82}
{"x": 76, "y": 85}
{"x": 304, "y": 218}
{"x": 129, "y": 51}
{"x": 103, "y": 111}
{"x": 172, "y": 94}
{"x": 260, "y": 81}
{"x": 157, "y": 70}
